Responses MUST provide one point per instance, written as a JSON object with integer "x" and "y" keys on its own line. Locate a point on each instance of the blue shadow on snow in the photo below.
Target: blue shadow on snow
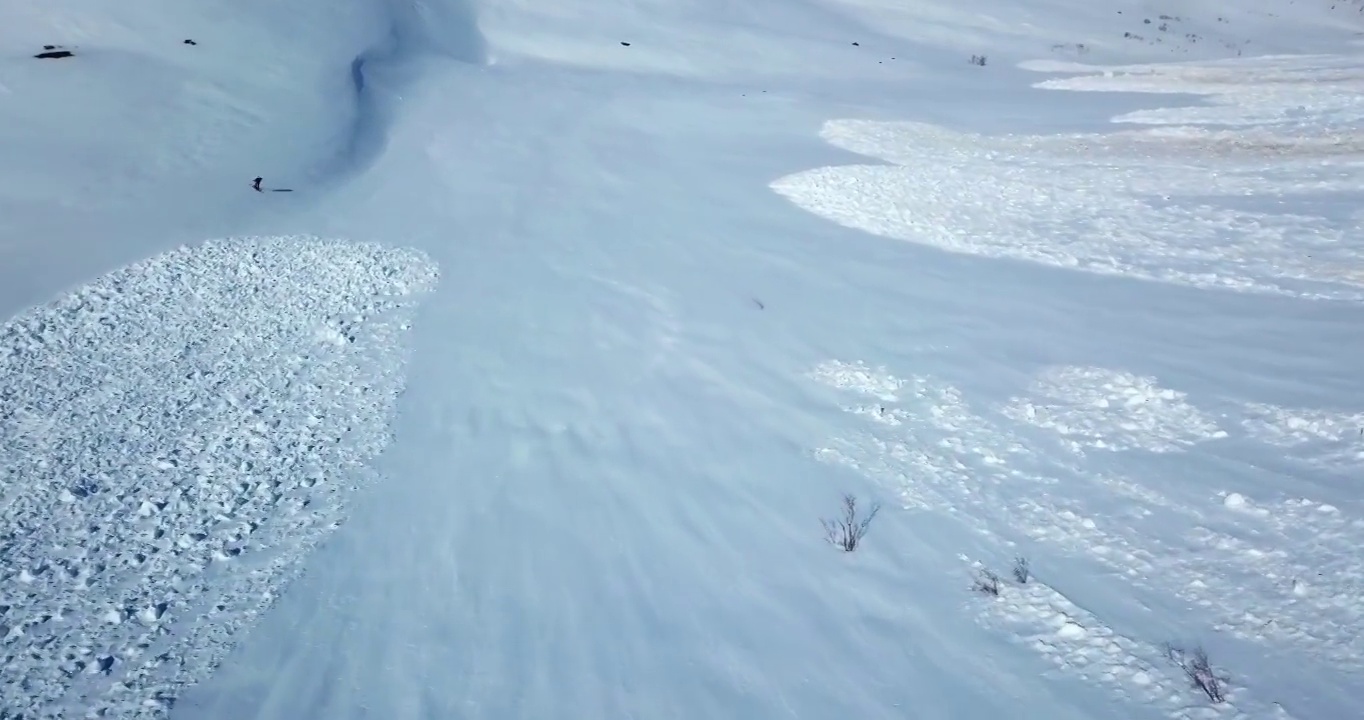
{"x": 417, "y": 30}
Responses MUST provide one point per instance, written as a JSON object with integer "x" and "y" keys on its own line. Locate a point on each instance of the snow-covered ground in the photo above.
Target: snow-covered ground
{"x": 528, "y": 399}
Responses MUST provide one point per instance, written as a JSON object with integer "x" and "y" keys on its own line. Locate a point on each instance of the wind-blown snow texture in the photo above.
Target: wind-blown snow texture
{"x": 704, "y": 267}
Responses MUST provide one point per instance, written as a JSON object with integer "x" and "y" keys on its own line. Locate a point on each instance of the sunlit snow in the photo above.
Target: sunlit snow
{"x": 526, "y": 394}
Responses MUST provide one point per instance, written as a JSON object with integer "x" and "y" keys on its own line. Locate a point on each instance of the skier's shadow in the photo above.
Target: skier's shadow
{"x": 255, "y": 185}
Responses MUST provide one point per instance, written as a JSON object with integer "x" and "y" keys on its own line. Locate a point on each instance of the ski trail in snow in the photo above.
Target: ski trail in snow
{"x": 1079, "y": 643}
{"x": 1126, "y": 203}
{"x": 1292, "y": 579}
{"x": 174, "y": 438}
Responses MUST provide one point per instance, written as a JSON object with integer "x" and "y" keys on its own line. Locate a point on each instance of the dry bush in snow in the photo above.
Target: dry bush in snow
{"x": 1199, "y": 670}
{"x": 847, "y": 530}
{"x": 987, "y": 582}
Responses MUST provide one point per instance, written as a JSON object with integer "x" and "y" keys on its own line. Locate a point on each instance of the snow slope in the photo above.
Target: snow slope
{"x": 703, "y": 267}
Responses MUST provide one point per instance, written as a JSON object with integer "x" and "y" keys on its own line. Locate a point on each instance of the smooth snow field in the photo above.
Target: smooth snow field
{"x": 527, "y": 399}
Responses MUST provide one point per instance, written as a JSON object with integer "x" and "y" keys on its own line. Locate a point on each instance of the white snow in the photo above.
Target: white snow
{"x": 1337, "y": 436}
{"x": 1165, "y": 546}
{"x": 528, "y": 398}
{"x": 859, "y": 378}
{"x": 174, "y": 442}
{"x": 1076, "y": 642}
{"x": 1081, "y": 202}
{"x": 1316, "y": 94}
{"x": 1107, "y": 410}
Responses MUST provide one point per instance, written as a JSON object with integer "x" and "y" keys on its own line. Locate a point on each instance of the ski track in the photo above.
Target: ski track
{"x": 1140, "y": 204}
{"x": 1289, "y": 575}
{"x": 174, "y": 438}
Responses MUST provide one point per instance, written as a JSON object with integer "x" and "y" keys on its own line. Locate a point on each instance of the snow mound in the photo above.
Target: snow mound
{"x": 1113, "y": 410}
{"x": 859, "y": 378}
{"x": 174, "y": 437}
{"x": 1331, "y": 438}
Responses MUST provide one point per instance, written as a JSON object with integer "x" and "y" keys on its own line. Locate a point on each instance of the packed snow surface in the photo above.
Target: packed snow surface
{"x": 1072, "y": 290}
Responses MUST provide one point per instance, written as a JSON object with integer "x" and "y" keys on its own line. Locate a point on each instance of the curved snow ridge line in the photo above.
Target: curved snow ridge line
{"x": 1103, "y": 409}
{"x": 1282, "y": 89}
{"x": 1078, "y": 642}
{"x": 174, "y": 438}
{"x": 1044, "y": 201}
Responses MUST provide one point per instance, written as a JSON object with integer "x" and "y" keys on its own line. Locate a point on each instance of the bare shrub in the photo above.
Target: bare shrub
{"x": 978, "y": 60}
{"x": 1199, "y": 670}
{"x": 987, "y": 582}
{"x": 1022, "y": 570}
{"x": 846, "y": 532}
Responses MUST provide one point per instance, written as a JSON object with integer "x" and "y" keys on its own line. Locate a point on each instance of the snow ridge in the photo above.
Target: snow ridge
{"x": 174, "y": 437}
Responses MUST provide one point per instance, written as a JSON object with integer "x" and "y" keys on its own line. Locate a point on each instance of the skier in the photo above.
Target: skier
{"x": 255, "y": 185}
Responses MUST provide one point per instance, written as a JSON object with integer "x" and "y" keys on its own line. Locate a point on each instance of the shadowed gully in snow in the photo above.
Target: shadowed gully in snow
{"x": 418, "y": 30}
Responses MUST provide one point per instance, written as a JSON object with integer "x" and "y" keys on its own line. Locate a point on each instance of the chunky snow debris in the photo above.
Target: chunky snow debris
{"x": 1126, "y": 203}
{"x": 174, "y": 437}
{"x": 1106, "y": 409}
{"x": 1278, "y": 572}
